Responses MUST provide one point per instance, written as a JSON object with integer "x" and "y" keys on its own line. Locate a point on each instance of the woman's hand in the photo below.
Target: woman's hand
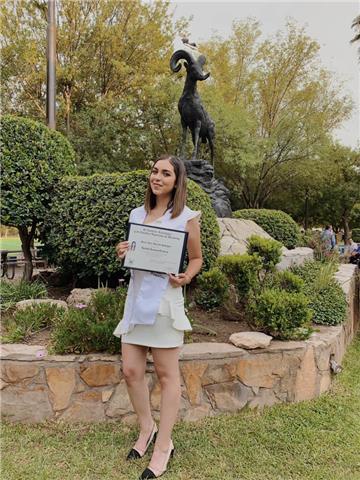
{"x": 179, "y": 280}
{"x": 121, "y": 249}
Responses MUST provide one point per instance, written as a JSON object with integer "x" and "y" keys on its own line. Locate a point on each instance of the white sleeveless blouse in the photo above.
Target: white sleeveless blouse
{"x": 150, "y": 293}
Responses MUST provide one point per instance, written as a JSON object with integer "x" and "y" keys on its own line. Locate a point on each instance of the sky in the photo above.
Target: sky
{"x": 328, "y": 22}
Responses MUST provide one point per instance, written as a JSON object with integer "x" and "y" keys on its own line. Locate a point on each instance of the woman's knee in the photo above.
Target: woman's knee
{"x": 132, "y": 374}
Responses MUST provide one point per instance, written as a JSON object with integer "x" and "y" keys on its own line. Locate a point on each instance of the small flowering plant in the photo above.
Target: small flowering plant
{"x": 80, "y": 305}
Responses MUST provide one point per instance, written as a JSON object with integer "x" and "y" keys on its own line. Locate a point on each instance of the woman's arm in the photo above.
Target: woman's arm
{"x": 194, "y": 254}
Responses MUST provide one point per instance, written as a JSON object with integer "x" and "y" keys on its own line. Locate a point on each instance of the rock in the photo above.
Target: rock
{"x": 119, "y": 403}
{"x": 37, "y": 301}
{"x": 86, "y": 407}
{"x": 192, "y": 373}
{"x": 98, "y": 375}
{"x": 229, "y": 397}
{"x": 79, "y": 296}
{"x": 19, "y": 404}
{"x": 15, "y": 372}
{"x": 306, "y": 378}
{"x": 296, "y": 256}
{"x": 250, "y": 340}
{"x": 197, "y": 413}
{"x": 61, "y": 382}
{"x": 235, "y": 232}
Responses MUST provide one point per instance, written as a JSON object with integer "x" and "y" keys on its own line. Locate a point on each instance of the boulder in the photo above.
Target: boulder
{"x": 250, "y": 340}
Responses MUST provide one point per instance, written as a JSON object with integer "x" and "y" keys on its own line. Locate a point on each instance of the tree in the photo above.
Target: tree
{"x": 292, "y": 103}
{"x": 111, "y": 61}
{"x": 35, "y": 158}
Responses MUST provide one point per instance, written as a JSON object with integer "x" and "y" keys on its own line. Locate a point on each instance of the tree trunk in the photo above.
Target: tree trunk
{"x": 26, "y": 239}
{"x": 345, "y": 220}
{"x": 306, "y": 213}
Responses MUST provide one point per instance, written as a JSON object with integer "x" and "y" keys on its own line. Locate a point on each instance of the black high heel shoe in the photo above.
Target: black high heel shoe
{"x": 137, "y": 453}
{"x": 149, "y": 473}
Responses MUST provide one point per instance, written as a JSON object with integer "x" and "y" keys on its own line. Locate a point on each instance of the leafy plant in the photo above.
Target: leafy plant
{"x": 284, "y": 315}
{"x": 90, "y": 329}
{"x": 242, "y": 271}
{"x": 30, "y": 320}
{"x": 212, "y": 289}
{"x": 267, "y": 249}
{"x": 13, "y": 292}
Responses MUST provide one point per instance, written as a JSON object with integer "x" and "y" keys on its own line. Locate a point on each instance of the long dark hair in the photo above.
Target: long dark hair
{"x": 178, "y": 195}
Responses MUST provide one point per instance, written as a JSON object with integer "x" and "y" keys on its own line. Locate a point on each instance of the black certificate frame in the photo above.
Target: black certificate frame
{"x": 182, "y": 258}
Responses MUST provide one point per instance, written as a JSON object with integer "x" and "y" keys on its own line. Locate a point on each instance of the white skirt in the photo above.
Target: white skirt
{"x": 170, "y": 324}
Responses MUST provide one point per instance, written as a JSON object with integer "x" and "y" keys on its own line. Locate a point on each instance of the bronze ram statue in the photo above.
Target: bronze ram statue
{"x": 193, "y": 114}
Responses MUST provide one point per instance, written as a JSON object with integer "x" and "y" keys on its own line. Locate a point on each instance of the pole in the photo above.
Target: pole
{"x": 51, "y": 67}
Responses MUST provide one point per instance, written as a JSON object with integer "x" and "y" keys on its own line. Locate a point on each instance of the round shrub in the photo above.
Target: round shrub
{"x": 34, "y": 159}
{"x": 285, "y": 280}
{"x": 282, "y": 314}
{"x": 242, "y": 271}
{"x": 212, "y": 289}
{"x": 89, "y": 216}
{"x": 329, "y": 305}
{"x": 276, "y": 223}
{"x": 267, "y": 249}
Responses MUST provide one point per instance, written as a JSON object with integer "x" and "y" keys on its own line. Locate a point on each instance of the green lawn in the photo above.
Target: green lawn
{"x": 312, "y": 440}
{"x": 12, "y": 243}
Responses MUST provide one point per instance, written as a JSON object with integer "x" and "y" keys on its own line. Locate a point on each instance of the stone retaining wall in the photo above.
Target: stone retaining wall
{"x": 216, "y": 377}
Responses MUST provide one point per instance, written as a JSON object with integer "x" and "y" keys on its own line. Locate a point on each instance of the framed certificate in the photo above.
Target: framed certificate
{"x": 155, "y": 249}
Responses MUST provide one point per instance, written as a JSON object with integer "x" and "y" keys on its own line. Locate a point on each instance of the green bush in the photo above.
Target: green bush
{"x": 267, "y": 249}
{"x": 212, "y": 289}
{"x": 242, "y": 271}
{"x": 89, "y": 217}
{"x": 90, "y": 329}
{"x": 13, "y": 292}
{"x": 355, "y": 235}
{"x": 285, "y": 280}
{"x": 284, "y": 315}
{"x": 276, "y": 223}
{"x": 327, "y": 299}
{"x": 30, "y": 320}
{"x": 329, "y": 305}
{"x": 34, "y": 159}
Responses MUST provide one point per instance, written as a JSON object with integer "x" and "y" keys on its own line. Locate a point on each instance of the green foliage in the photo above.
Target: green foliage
{"x": 34, "y": 159}
{"x": 355, "y": 234}
{"x": 30, "y": 320}
{"x": 276, "y": 223}
{"x": 212, "y": 289}
{"x": 284, "y": 315}
{"x": 89, "y": 217}
{"x": 90, "y": 329}
{"x": 355, "y": 216}
{"x": 267, "y": 249}
{"x": 13, "y": 292}
{"x": 327, "y": 299}
{"x": 285, "y": 280}
{"x": 242, "y": 270}
{"x": 329, "y": 305}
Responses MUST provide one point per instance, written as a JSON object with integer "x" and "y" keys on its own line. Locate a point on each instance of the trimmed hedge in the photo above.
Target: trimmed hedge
{"x": 281, "y": 314}
{"x": 89, "y": 216}
{"x": 242, "y": 271}
{"x": 276, "y": 223}
{"x": 34, "y": 159}
{"x": 212, "y": 289}
{"x": 267, "y": 249}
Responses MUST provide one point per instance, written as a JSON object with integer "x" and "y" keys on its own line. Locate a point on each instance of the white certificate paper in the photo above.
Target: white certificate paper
{"x": 155, "y": 249}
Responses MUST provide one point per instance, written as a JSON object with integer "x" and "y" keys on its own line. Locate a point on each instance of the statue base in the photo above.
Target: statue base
{"x": 203, "y": 174}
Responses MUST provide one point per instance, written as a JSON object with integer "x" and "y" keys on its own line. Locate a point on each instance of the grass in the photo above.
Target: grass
{"x": 313, "y": 440}
{"x": 12, "y": 243}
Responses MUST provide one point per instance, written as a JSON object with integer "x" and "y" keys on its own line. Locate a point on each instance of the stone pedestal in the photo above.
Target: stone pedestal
{"x": 203, "y": 174}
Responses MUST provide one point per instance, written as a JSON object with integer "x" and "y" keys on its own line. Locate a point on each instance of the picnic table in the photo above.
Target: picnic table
{"x": 10, "y": 259}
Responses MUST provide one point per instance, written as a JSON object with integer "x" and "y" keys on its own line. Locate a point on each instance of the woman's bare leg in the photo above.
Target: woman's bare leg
{"x": 134, "y": 367}
{"x": 166, "y": 362}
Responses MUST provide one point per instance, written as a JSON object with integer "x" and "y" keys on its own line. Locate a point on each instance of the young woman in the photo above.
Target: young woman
{"x": 154, "y": 315}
